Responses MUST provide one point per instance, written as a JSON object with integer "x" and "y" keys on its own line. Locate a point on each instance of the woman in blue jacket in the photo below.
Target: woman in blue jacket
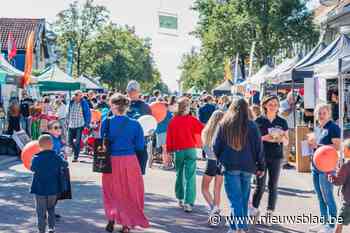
{"x": 238, "y": 148}
{"x": 123, "y": 189}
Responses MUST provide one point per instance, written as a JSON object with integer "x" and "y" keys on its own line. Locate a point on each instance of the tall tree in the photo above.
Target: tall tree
{"x": 119, "y": 56}
{"x": 200, "y": 71}
{"x": 79, "y": 24}
{"x": 229, "y": 27}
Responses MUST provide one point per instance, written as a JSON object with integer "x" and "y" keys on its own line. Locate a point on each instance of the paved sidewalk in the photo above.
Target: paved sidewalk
{"x": 85, "y": 214}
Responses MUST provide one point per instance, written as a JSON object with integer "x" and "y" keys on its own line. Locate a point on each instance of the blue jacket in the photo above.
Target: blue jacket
{"x": 249, "y": 159}
{"x": 86, "y": 111}
{"x": 57, "y": 145}
{"x": 47, "y": 167}
{"x": 125, "y": 135}
{"x": 205, "y": 112}
{"x": 163, "y": 125}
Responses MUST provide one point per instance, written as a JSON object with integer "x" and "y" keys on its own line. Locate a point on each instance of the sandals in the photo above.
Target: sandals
{"x": 110, "y": 226}
{"x": 125, "y": 229}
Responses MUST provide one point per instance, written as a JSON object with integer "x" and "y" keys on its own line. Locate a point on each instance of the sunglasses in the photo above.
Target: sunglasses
{"x": 57, "y": 127}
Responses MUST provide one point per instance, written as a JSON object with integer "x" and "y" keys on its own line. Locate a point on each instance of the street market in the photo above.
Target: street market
{"x": 237, "y": 121}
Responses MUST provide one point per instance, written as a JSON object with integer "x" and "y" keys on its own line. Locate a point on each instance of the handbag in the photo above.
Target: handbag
{"x": 65, "y": 185}
{"x": 102, "y": 162}
{"x": 102, "y": 158}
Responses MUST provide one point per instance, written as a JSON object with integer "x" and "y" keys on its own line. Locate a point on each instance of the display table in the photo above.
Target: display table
{"x": 303, "y": 163}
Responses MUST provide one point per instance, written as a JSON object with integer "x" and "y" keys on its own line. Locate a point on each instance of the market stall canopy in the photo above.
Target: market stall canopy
{"x": 330, "y": 70}
{"x": 288, "y": 75}
{"x": 339, "y": 48}
{"x": 90, "y": 83}
{"x": 223, "y": 89}
{"x": 55, "y": 79}
{"x": 274, "y": 76}
{"x": 257, "y": 79}
{"x": 8, "y": 68}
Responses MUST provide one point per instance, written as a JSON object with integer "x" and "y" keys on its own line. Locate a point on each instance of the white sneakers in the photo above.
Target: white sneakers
{"x": 269, "y": 215}
{"x": 254, "y": 212}
{"x": 326, "y": 229}
{"x": 321, "y": 229}
{"x": 188, "y": 208}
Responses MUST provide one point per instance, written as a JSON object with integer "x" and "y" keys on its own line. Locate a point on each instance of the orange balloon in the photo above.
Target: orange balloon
{"x": 95, "y": 116}
{"x": 28, "y": 152}
{"x": 326, "y": 158}
{"x": 159, "y": 111}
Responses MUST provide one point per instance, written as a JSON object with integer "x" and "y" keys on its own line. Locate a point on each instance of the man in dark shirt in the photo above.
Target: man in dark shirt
{"x": 137, "y": 109}
{"x": 26, "y": 103}
{"x": 206, "y": 110}
{"x": 103, "y": 102}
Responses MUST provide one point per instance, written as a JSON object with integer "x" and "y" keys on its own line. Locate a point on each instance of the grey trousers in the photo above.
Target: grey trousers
{"x": 45, "y": 204}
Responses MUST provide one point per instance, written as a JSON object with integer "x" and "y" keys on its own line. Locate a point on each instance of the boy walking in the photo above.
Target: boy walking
{"x": 343, "y": 178}
{"x": 46, "y": 184}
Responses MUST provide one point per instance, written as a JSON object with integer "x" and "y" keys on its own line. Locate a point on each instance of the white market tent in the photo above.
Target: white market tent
{"x": 339, "y": 48}
{"x": 255, "y": 81}
{"x": 290, "y": 74}
{"x": 90, "y": 83}
{"x": 274, "y": 76}
{"x": 9, "y": 69}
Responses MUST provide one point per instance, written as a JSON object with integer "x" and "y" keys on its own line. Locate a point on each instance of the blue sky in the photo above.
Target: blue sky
{"x": 143, "y": 14}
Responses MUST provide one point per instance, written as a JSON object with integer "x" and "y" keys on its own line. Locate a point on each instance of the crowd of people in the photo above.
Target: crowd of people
{"x": 238, "y": 141}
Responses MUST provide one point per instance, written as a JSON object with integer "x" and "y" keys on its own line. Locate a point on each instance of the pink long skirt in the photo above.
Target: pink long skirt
{"x": 123, "y": 193}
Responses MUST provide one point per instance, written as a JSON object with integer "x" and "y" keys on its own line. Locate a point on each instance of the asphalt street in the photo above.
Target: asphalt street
{"x": 85, "y": 214}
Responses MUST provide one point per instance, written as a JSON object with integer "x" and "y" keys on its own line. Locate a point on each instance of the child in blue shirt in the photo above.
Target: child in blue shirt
{"x": 46, "y": 184}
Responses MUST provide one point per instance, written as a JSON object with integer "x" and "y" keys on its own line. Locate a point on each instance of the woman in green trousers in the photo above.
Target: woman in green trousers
{"x": 183, "y": 137}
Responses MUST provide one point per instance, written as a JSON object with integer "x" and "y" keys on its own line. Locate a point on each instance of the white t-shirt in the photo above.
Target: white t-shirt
{"x": 284, "y": 106}
{"x": 62, "y": 111}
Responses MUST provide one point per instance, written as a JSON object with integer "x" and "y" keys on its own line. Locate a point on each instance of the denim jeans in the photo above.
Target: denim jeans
{"x": 74, "y": 140}
{"x": 25, "y": 124}
{"x": 45, "y": 208}
{"x": 237, "y": 187}
{"x": 325, "y": 196}
{"x": 2, "y": 125}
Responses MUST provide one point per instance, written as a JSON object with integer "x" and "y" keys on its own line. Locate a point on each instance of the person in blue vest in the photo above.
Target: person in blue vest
{"x": 205, "y": 112}
{"x": 137, "y": 109}
{"x": 79, "y": 117}
{"x": 137, "y": 106}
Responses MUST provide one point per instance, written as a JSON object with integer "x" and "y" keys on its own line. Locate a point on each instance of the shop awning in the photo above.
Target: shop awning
{"x": 339, "y": 48}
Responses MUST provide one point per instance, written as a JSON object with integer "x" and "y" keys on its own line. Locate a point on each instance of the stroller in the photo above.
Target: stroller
{"x": 91, "y": 134}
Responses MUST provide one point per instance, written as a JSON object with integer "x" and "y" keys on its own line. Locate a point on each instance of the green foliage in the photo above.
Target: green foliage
{"x": 200, "y": 72}
{"x": 230, "y": 27}
{"x": 104, "y": 49}
{"x": 79, "y": 25}
{"x": 120, "y": 56}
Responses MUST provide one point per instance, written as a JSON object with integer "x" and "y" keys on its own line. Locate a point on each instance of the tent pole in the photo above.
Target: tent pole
{"x": 294, "y": 98}
{"x": 341, "y": 108}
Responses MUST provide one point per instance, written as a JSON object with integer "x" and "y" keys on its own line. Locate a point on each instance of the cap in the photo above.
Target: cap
{"x": 133, "y": 85}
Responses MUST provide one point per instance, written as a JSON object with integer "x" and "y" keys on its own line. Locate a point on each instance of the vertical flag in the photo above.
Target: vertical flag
{"x": 251, "y": 57}
{"x": 227, "y": 69}
{"x": 29, "y": 60}
{"x": 70, "y": 51}
{"x": 11, "y": 47}
{"x": 236, "y": 69}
